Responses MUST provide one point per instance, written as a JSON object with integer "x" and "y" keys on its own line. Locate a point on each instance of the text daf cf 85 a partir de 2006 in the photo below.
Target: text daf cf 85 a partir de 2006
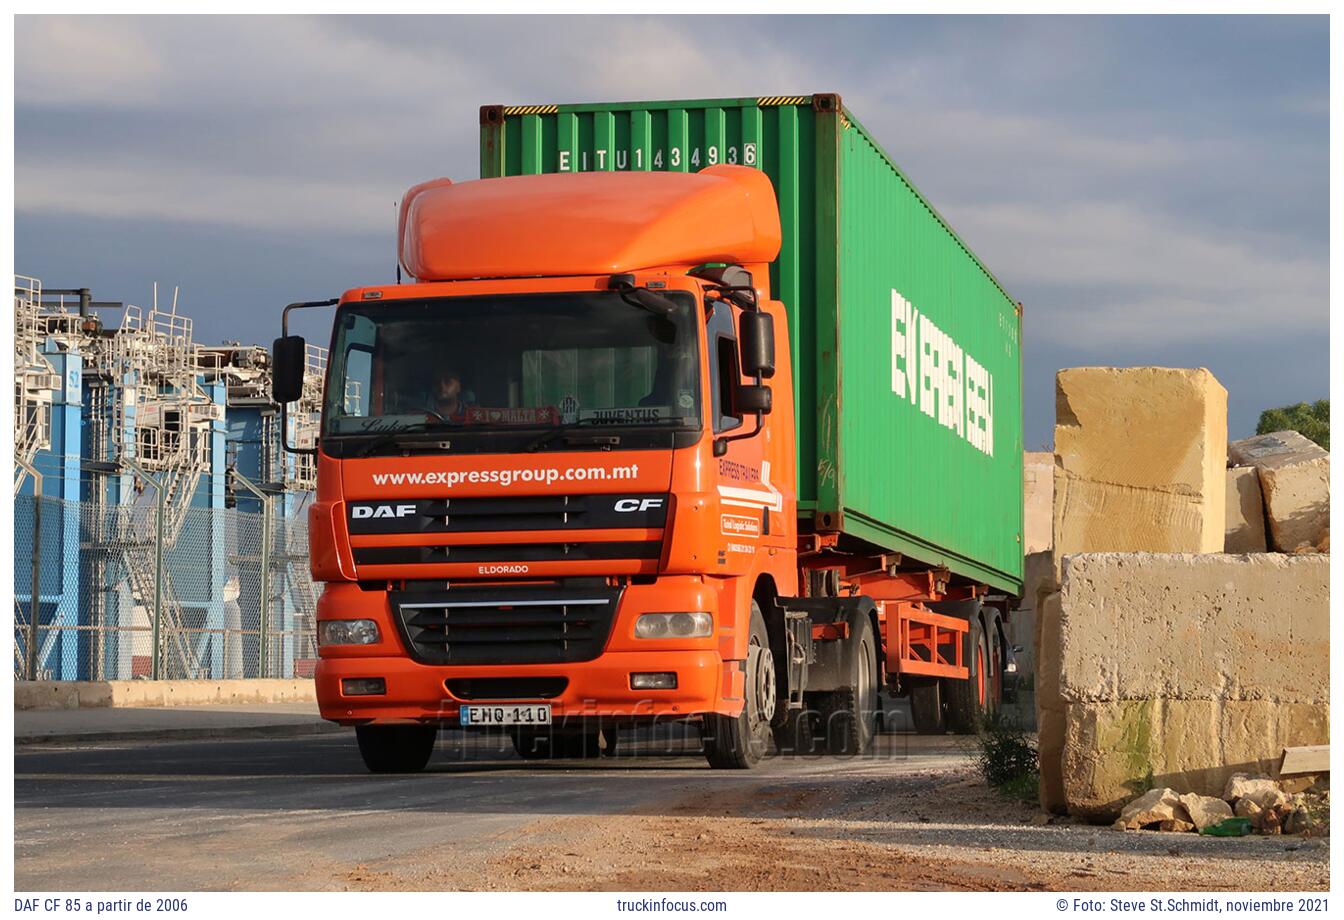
{"x": 688, "y": 411}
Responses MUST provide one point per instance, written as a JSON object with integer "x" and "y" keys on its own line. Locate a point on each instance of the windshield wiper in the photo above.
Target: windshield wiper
{"x": 393, "y": 437}
{"x": 554, "y": 433}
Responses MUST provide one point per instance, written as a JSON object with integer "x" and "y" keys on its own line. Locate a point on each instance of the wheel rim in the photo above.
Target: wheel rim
{"x": 763, "y": 681}
{"x": 980, "y": 676}
{"x": 864, "y": 698}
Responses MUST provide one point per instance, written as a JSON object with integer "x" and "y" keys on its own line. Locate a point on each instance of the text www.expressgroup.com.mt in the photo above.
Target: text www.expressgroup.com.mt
{"x": 508, "y": 477}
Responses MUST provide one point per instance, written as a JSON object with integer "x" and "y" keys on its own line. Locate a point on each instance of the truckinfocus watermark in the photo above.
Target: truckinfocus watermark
{"x": 508, "y": 477}
{"x": 670, "y": 905}
{"x": 931, "y": 370}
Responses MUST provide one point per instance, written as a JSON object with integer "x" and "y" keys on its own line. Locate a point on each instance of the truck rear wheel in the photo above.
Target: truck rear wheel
{"x": 795, "y": 734}
{"x": 396, "y": 748}
{"x": 970, "y": 700}
{"x": 739, "y": 742}
{"x": 926, "y": 708}
{"x": 849, "y": 715}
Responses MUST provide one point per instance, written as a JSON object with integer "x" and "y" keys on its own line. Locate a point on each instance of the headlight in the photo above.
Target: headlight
{"x": 347, "y": 632}
{"x": 692, "y": 625}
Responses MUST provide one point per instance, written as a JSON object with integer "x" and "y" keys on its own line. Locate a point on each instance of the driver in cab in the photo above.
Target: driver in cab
{"x": 447, "y": 400}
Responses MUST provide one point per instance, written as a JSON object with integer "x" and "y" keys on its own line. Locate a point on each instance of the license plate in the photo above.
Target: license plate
{"x": 530, "y": 714}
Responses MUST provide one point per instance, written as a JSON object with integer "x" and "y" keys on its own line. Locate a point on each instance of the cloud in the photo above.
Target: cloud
{"x": 64, "y": 61}
{"x": 1145, "y": 186}
{"x": 1136, "y": 274}
{"x": 179, "y": 192}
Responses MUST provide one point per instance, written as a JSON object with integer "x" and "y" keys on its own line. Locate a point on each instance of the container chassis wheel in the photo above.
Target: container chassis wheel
{"x": 849, "y": 715}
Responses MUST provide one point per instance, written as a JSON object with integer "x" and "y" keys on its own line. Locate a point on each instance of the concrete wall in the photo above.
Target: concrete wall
{"x": 1179, "y": 670}
{"x": 94, "y": 694}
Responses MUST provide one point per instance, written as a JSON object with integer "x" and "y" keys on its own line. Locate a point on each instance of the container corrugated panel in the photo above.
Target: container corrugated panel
{"x": 907, "y": 351}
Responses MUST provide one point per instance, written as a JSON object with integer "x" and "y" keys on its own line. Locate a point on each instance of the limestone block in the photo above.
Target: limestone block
{"x": 1038, "y": 579}
{"x": 1205, "y": 809}
{"x": 1140, "y": 455}
{"x": 1245, "y": 512}
{"x": 1038, "y": 582}
{"x": 1153, "y": 807}
{"x": 1038, "y": 499}
{"x": 1259, "y": 789}
{"x": 1186, "y": 626}
{"x": 1114, "y": 750}
{"x": 1295, "y": 480}
{"x": 1050, "y": 725}
{"x": 1050, "y": 729}
{"x": 1246, "y": 808}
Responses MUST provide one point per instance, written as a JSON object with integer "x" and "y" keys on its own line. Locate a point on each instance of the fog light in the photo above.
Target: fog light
{"x": 691, "y": 625}
{"x": 347, "y": 632}
{"x": 659, "y": 680}
{"x": 363, "y": 686}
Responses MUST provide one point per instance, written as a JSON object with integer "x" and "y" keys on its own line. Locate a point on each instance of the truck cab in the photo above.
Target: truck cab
{"x": 555, "y": 487}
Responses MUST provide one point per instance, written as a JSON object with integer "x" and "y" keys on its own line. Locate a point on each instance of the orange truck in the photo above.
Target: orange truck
{"x": 583, "y": 469}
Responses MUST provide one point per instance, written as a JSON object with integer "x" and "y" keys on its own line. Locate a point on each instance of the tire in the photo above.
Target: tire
{"x": 532, "y": 744}
{"x": 541, "y": 744}
{"x": 740, "y": 742}
{"x": 794, "y": 734}
{"x": 926, "y": 708}
{"x": 849, "y": 715}
{"x": 396, "y": 748}
{"x": 968, "y": 701}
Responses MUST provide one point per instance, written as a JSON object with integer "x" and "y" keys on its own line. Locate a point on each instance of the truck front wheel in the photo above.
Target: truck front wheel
{"x": 739, "y": 742}
{"x": 396, "y": 748}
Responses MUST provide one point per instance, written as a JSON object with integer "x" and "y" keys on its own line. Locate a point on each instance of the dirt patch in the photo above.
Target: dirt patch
{"x": 930, "y": 830}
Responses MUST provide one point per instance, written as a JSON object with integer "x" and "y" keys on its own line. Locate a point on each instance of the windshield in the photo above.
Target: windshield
{"x": 515, "y": 362}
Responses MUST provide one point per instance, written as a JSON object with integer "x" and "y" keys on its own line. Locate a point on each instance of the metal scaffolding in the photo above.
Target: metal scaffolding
{"x": 35, "y": 379}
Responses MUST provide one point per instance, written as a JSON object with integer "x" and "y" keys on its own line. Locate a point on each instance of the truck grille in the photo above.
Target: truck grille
{"x": 506, "y": 625}
{"x": 508, "y": 552}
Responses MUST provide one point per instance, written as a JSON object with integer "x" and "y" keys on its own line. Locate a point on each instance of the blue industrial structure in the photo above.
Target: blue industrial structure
{"x": 139, "y": 433}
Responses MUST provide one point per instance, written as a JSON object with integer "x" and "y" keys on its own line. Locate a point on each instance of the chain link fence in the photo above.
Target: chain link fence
{"x": 227, "y": 596}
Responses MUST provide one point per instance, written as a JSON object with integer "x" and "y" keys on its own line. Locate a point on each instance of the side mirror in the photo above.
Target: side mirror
{"x": 753, "y": 398}
{"x": 287, "y": 365}
{"x": 756, "y": 338}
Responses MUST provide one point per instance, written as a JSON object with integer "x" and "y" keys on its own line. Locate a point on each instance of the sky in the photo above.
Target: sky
{"x": 1154, "y": 190}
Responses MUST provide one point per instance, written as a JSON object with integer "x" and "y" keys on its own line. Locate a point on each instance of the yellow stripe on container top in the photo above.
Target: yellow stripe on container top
{"x": 782, "y": 100}
{"x": 531, "y": 109}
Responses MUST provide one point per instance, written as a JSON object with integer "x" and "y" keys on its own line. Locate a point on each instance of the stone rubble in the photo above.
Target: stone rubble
{"x": 1255, "y": 797}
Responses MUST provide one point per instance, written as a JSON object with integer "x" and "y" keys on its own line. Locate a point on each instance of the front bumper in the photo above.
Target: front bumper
{"x": 597, "y": 688}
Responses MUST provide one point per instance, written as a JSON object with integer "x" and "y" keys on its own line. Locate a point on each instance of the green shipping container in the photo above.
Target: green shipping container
{"x": 907, "y": 351}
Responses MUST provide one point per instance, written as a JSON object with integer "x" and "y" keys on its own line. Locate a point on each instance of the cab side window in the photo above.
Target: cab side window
{"x": 725, "y": 372}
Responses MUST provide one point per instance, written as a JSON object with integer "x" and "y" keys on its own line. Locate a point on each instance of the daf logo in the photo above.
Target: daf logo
{"x": 359, "y": 512}
{"x": 638, "y": 504}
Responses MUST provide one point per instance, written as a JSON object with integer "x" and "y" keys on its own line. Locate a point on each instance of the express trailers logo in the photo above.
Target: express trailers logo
{"x": 932, "y": 371}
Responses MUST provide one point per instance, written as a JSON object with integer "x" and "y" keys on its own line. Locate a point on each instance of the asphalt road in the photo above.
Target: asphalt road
{"x": 302, "y": 813}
